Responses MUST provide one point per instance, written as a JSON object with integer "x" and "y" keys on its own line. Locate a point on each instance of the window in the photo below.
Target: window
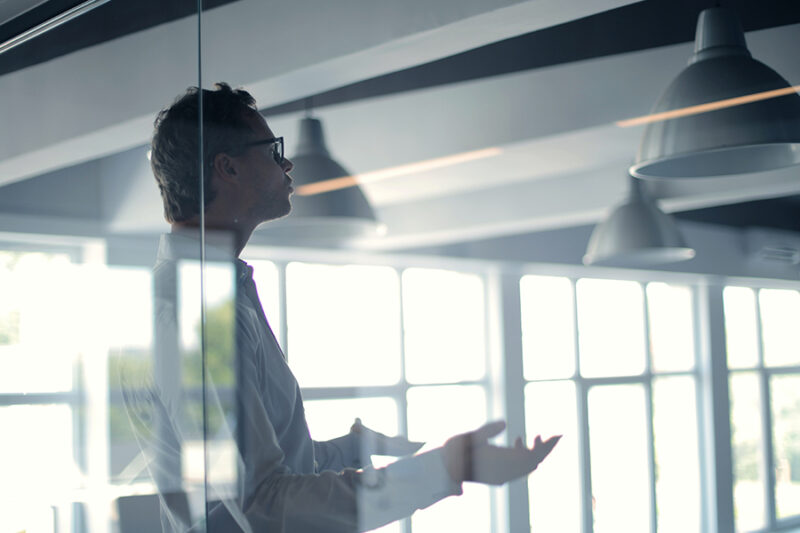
{"x": 343, "y": 324}
{"x": 130, "y": 363}
{"x": 764, "y": 384}
{"x": 610, "y": 364}
{"x": 404, "y": 350}
{"x": 40, "y": 359}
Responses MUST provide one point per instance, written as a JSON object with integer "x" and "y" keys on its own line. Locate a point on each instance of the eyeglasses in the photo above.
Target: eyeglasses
{"x": 276, "y": 148}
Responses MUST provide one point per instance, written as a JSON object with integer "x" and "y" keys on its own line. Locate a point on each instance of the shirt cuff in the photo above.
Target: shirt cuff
{"x": 429, "y": 468}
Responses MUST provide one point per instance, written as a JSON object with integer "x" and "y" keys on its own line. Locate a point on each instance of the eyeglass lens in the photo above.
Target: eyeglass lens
{"x": 277, "y": 151}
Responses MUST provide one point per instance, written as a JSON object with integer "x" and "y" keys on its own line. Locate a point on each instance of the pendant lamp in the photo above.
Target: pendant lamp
{"x": 340, "y": 213}
{"x": 724, "y": 136}
{"x": 637, "y": 234}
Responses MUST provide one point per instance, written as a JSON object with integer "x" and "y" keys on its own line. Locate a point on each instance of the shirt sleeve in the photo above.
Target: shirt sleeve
{"x": 338, "y": 454}
{"x": 277, "y": 500}
{"x": 351, "y": 500}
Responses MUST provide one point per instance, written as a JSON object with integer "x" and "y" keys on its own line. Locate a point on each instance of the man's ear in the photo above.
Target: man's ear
{"x": 225, "y": 167}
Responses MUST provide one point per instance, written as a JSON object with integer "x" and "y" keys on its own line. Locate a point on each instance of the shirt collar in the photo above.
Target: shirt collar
{"x": 185, "y": 245}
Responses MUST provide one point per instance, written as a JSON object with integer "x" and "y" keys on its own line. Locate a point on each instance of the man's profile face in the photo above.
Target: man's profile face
{"x": 265, "y": 185}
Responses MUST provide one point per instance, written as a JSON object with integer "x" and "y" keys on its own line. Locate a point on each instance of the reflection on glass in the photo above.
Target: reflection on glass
{"x": 128, "y": 464}
{"x": 443, "y": 316}
{"x": 610, "y": 327}
{"x": 785, "y": 392}
{"x": 210, "y": 455}
{"x": 130, "y": 363}
{"x": 548, "y": 327}
{"x": 780, "y": 317}
{"x": 435, "y": 414}
{"x": 80, "y": 219}
{"x": 618, "y": 447}
{"x": 343, "y": 324}
{"x": 554, "y": 489}
{"x": 182, "y": 418}
{"x": 676, "y": 454}
{"x": 265, "y": 274}
{"x": 741, "y": 333}
{"x": 748, "y": 483}
{"x": 217, "y": 291}
{"x": 671, "y": 327}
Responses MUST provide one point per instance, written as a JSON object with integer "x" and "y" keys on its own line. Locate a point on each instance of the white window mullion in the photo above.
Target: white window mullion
{"x": 715, "y": 408}
{"x": 766, "y": 454}
{"x": 706, "y": 514}
{"x": 402, "y": 401}
{"x": 283, "y": 333}
{"x": 582, "y": 392}
{"x": 504, "y": 319}
{"x": 648, "y": 385}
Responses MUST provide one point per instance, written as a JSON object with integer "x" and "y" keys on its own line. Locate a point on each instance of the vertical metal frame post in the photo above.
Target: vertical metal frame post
{"x": 505, "y": 321}
{"x": 715, "y": 408}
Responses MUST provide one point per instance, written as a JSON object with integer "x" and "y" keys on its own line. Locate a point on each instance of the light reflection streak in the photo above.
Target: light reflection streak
{"x": 394, "y": 172}
{"x": 440, "y": 162}
{"x": 705, "y": 108}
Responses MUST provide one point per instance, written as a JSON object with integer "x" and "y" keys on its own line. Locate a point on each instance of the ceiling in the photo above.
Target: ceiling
{"x": 543, "y": 81}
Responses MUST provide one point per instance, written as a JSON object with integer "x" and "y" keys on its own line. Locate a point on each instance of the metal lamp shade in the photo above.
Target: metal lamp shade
{"x": 348, "y": 202}
{"x": 637, "y": 234}
{"x": 338, "y": 214}
{"x": 751, "y": 137}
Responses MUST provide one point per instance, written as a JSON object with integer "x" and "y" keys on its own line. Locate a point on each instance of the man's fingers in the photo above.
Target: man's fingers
{"x": 518, "y": 443}
{"x": 547, "y": 446}
{"x": 397, "y": 446}
{"x": 375, "y": 443}
{"x": 488, "y": 431}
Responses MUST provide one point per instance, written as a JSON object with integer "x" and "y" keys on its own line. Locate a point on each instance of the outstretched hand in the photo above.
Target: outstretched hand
{"x": 470, "y": 457}
{"x": 374, "y": 443}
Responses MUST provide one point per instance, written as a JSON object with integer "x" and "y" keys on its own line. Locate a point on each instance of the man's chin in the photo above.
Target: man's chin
{"x": 278, "y": 215}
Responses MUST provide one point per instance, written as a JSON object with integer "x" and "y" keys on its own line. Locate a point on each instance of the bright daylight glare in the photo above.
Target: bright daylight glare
{"x": 415, "y": 339}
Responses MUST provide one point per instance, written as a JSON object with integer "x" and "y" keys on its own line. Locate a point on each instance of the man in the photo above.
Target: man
{"x": 292, "y": 483}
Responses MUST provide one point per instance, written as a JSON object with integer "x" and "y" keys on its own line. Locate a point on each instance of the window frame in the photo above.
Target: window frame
{"x": 504, "y": 381}
{"x": 583, "y": 386}
{"x": 764, "y": 374}
{"x": 83, "y": 414}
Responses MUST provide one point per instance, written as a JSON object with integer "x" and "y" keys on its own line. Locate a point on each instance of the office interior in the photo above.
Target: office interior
{"x": 501, "y": 258}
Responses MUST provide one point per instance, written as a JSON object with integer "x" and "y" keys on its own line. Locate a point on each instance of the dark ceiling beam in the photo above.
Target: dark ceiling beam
{"x": 639, "y": 26}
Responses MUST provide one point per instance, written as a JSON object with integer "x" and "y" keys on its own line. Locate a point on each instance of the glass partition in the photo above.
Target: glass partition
{"x": 352, "y": 371}
{"x": 325, "y": 266}
{"x": 94, "y": 407}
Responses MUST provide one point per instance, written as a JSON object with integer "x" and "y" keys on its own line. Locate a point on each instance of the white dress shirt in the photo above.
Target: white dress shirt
{"x": 290, "y": 482}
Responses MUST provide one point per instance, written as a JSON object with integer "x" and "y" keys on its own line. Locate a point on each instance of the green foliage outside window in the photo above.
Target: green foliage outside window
{"x": 220, "y": 350}
{"x": 9, "y": 328}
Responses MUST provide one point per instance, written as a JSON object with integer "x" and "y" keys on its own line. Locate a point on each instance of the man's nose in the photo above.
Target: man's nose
{"x": 287, "y": 164}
